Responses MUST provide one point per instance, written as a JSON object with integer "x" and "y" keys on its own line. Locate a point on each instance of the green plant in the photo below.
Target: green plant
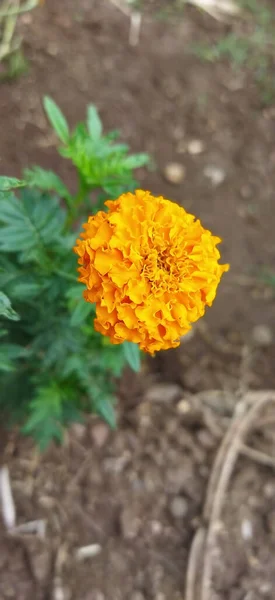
{"x": 10, "y": 43}
{"x": 53, "y": 365}
{"x": 249, "y": 44}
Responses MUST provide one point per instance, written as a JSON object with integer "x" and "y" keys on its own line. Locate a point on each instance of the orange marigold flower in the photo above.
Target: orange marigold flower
{"x": 150, "y": 268}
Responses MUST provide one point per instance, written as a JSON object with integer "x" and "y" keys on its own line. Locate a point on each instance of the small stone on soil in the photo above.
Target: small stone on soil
{"x": 129, "y": 523}
{"x": 163, "y": 392}
{"x": 99, "y": 434}
{"x": 183, "y": 407}
{"x": 87, "y": 551}
{"x": 189, "y": 411}
{"x": 269, "y": 490}
{"x": 78, "y": 430}
{"x": 174, "y": 173}
{"x": 262, "y": 335}
{"x": 179, "y": 507}
{"x": 265, "y": 588}
{"x": 47, "y": 502}
{"x": 195, "y": 147}
{"x": 215, "y": 174}
{"x": 156, "y": 527}
{"x": 246, "y": 529}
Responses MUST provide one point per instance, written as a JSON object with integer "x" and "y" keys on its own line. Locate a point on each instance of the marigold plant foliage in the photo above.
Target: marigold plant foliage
{"x": 150, "y": 268}
{"x": 54, "y": 366}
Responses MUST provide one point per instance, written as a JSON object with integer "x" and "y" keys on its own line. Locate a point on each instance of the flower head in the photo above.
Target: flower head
{"x": 150, "y": 268}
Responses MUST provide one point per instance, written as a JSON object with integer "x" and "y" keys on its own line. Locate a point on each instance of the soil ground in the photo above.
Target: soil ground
{"x": 139, "y": 495}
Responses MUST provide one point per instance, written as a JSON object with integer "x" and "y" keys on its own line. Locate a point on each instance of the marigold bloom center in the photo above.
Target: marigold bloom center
{"x": 151, "y": 269}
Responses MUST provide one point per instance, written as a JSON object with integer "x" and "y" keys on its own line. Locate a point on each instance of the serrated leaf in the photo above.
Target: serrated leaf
{"x": 45, "y": 180}
{"x": 29, "y": 225}
{"x": 10, "y": 183}
{"x": 56, "y": 340}
{"x": 94, "y": 123}
{"x": 75, "y": 292}
{"x": 104, "y": 407}
{"x": 113, "y": 190}
{"x": 24, "y": 290}
{"x": 71, "y": 414}
{"x": 112, "y": 135}
{"x": 14, "y": 350}
{"x": 73, "y": 364}
{"x": 6, "y": 309}
{"x": 81, "y": 312}
{"x": 45, "y": 415}
{"x": 57, "y": 119}
{"x": 9, "y": 353}
{"x": 18, "y": 283}
{"x": 132, "y": 355}
{"x": 136, "y": 161}
{"x": 6, "y": 365}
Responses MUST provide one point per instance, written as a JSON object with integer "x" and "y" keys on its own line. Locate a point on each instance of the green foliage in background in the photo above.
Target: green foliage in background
{"x": 54, "y": 366}
{"x": 12, "y": 59}
{"x": 249, "y": 44}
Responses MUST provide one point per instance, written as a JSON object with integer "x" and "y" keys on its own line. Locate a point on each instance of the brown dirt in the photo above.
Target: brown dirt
{"x": 123, "y": 490}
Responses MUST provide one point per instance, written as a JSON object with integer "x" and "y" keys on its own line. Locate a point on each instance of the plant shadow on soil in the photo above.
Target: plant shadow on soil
{"x": 139, "y": 492}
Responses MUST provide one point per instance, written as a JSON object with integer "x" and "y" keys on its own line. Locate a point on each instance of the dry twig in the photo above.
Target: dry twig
{"x": 195, "y": 557}
{"x": 257, "y": 456}
{"x": 135, "y": 20}
{"x": 222, "y": 472}
{"x": 218, "y": 9}
{"x": 9, "y": 14}
{"x": 6, "y": 497}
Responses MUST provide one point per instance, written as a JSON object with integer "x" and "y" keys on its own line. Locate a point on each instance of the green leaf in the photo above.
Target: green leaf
{"x": 18, "y": 283}
{"x": 10, "y": 183}
{"x": 57, "y": 119}
{"x": 6, "y": 309}
{"x": 75, "y": 292}
{"x": 113, "y": 190}
{"x": 6, "y": 365}
{"x": 46, "y": 181}
{"x": 94, "y": 123}
{"x": 104, "y": 407}
{"x": 81, "y": 312}
{"x": 136, "y": 161}
{"x": 55, "y": 340}
{"x": 132, "y": 355}
{"x": 71, "y": 414}
{"x": 45, "y": 415}
{"x": 26, "y": 290}
{"x": 73, "y": 364}
{"x": 30, "y": 225}
{"x": 61, "y": 367}
{"x": 9, "y": 353}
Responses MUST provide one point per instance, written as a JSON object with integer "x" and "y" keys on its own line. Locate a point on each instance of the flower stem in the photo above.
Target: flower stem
{"x": 77, "y": 200}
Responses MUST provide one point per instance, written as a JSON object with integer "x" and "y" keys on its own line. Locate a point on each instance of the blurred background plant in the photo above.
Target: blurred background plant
{"x": 245, "y": 38}
{"x": 249, "y": 44}
{"x": 11, "y": 56}
{"x": 54, "y": 365}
